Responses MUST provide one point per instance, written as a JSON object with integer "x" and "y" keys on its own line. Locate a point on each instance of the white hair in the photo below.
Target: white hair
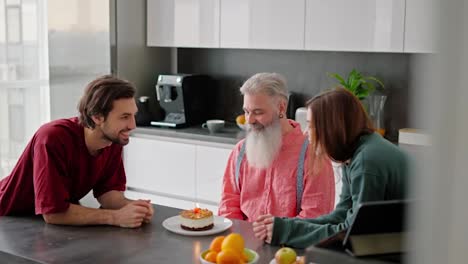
{"x": 272, "y": 84}
{"x": 263, "y": 146}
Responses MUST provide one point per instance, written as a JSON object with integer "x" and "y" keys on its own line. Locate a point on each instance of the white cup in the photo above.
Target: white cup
{"x": 214, "y": 125}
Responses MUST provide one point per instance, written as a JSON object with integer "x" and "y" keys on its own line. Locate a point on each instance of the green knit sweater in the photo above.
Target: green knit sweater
{"x": 378, "y": 171}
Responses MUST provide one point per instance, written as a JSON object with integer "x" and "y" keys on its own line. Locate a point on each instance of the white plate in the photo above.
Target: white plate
{"x": 273, "y": 261}
{"x": 220, "y": 224}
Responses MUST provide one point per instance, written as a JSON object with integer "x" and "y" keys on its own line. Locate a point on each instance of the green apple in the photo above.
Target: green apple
{"x": 285, "y": 256}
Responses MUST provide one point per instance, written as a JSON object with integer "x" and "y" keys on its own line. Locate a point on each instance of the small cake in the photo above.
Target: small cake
{"x": 196, "y": 220}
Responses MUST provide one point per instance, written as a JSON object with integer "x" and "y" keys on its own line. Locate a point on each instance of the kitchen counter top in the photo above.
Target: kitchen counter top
{"x": 31, "y": 240}
{"x": 231, "y": 134}
{"x": 325, "y": 256}
{"x": 28, "y": 240}
{"x": 12, "y": 259}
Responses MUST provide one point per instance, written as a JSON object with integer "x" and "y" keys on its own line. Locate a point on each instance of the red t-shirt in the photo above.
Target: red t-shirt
{"x": 56, "y": 169}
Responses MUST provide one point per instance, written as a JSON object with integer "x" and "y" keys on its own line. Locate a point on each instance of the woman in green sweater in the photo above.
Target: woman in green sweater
{"x": 374, "y": 169}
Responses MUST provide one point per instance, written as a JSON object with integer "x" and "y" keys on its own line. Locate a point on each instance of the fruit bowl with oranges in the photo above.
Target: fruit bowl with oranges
{"x": 241, "y": 123}
{"x": 228, "y": 249}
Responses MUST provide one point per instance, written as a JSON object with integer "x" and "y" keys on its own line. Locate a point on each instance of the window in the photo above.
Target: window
{"x": 24, "y": 85}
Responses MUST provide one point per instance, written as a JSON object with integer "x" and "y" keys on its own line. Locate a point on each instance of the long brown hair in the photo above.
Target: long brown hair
{"x": 337, "y": 122}
{"x": 99, "y": 97}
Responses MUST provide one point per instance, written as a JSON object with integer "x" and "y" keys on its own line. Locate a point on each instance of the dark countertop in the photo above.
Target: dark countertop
{"x": 12, "y": 259}
{"x": 231, "y": 134}
{"x": 30, "y": 240}
{"x": 324, "y": 256}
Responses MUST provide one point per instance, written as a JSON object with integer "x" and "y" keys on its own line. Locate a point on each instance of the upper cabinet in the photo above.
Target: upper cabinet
{"x": 420, "y": 26}
{"x": 262, "y": 24}
{"x": 183, "y": 23}
{"x": 359, "y": 25}
{"x": 335, "y": 25}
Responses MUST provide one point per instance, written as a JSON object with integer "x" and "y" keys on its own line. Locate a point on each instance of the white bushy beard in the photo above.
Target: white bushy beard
{"x": 262, "y": 146}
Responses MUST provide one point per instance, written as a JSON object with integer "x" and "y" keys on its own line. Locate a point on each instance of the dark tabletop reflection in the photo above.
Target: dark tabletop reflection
{"x": 33, "y": 239}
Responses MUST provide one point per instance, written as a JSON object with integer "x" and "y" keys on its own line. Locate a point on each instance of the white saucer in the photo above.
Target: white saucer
{"x": 220, "y": 224}
{"x": 273, "y": 261}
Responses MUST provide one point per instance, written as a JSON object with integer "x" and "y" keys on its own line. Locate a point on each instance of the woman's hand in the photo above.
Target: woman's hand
{"x": 263, "y": 227}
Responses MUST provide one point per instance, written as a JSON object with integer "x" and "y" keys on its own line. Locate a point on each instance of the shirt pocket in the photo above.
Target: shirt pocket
{"x": 285, "y": 194}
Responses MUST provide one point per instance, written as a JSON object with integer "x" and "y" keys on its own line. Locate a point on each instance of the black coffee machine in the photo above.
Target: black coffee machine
{"x": 185, "y": 99}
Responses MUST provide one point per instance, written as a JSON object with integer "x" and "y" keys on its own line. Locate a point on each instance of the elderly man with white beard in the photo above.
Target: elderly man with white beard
{"x": 268, "y": 173}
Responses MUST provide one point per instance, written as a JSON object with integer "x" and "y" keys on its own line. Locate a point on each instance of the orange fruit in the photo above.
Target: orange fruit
{"x": 234, "y": 242}
{"x": 240, "y": 119}
{"x": 216, "y": 243}
{"x": 228, "y": 256}
{"x": 211, "y": 256}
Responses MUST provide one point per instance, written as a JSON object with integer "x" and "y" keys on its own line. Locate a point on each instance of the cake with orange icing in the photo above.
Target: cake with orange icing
{"x": 196, "y": 219}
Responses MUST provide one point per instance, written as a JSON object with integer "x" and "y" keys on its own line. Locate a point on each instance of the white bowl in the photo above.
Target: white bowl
{"x": 242, "y": 126}
{"x": 251, "y": 254}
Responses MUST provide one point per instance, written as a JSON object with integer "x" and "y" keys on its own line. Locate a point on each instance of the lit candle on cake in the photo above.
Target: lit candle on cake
{"x": 197, "y": 208}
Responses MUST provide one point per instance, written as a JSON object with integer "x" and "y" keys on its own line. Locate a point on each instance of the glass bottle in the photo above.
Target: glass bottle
{"x": 376, "y": 111}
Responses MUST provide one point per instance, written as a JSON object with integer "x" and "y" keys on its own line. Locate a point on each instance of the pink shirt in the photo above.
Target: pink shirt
{"x": 273, "y": 190}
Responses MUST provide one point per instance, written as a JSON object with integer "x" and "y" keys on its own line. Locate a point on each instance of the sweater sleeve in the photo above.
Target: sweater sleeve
{"x": 230, "y": 196}
{"x": 301, "y": 233}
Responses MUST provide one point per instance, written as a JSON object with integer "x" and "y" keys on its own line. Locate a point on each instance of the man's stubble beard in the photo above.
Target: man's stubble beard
{"x": 262, "y": 147}
{"x": 114, "y": 140}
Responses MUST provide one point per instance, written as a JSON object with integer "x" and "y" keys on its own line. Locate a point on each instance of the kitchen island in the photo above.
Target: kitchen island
{"x": 31, "y": 240}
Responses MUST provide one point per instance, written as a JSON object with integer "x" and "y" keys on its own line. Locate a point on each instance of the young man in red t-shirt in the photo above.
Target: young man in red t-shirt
{"x": 67, "y": 158}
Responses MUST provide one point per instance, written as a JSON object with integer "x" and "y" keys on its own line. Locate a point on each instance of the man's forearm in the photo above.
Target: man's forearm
{"x": 80, "y": 215}
{"x": 113, "y": 200}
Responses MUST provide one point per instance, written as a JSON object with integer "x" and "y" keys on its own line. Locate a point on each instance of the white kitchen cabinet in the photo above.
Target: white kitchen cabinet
{"x": 420, "y": 26}
{"x": 161, "y": 167}
{"x": 359, "y": 25}
{"x": 160, "y": 199}
{"x": 210, "y": 166}
{"x": 169, "y": 201}
{"x": 90, "y": 201}
{"x": 262, "y": 24}
{"x": 183, "y": 23}
{"x": 175, "y": 172}
{"x": 335, "y": 25}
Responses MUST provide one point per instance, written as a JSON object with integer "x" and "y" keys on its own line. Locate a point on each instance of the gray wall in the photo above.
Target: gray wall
{"x": 131, "y": 59}
{"x": 305, "y": 72}
{"x": 419, "y": 93}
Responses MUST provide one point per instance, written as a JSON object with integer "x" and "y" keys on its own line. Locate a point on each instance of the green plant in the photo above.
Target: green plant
{"x": 360, "y": 85}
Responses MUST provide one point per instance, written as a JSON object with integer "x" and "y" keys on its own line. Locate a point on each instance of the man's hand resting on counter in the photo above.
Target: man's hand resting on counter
{"x": 133, "y": 214}
{"x": 116, "y": 200}
{"x": 129, "y": 213}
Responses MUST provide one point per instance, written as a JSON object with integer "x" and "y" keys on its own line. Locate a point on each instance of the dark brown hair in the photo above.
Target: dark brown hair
{"x": 99, "y": 97}
{"x": 338, "y": 121}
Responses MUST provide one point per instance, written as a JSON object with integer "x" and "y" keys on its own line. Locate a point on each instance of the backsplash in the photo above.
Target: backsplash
{"x": 306, "y": 74}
